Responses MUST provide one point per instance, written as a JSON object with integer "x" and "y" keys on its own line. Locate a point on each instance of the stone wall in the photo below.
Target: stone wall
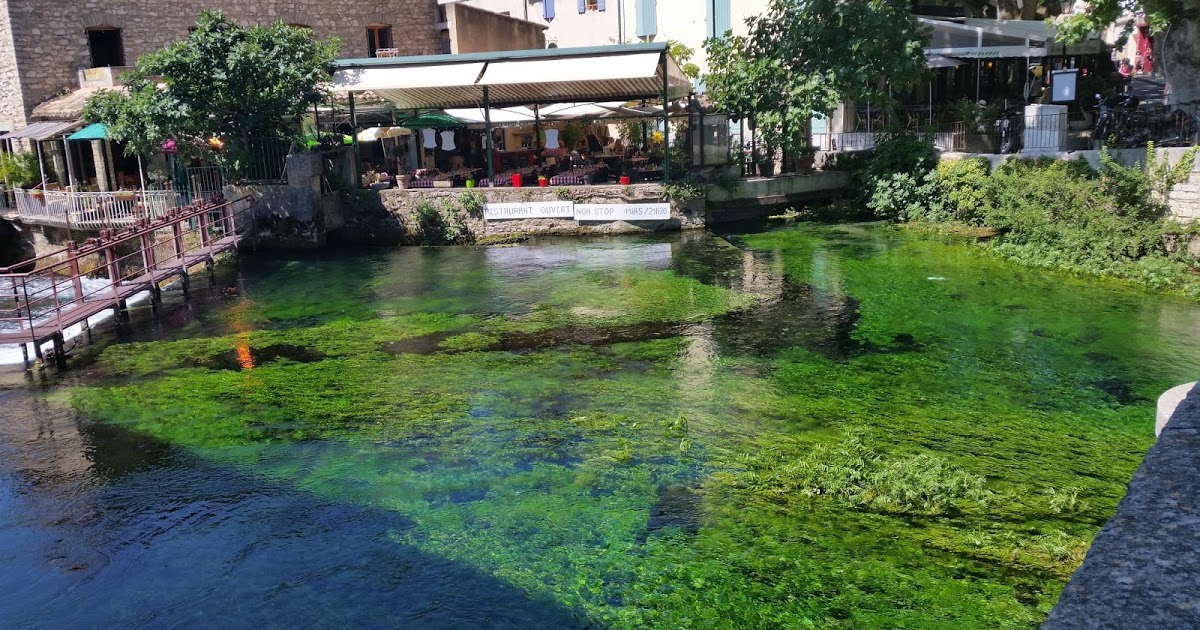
{"x": 476, "y": 30}
{"x": 1185, "y": 200}
{"x": 50, "y": 44}
{"x": 1141, "y": 571}
{"x": 12, "y": 108}
{"x": 403, "y": 203}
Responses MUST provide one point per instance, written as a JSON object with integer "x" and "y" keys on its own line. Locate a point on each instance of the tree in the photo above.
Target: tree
{"x": 1176, "y": 28}
{"x": 683, "y": 54}
{"x": 806, "y": 57}
{"x": 225, "y": 80}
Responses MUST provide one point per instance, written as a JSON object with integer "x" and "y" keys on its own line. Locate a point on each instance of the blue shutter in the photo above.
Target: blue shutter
{"x": 582, "y": 6}
{"x": 548, "y": 10}
{"x": 716, "y": 17}
{"x": 599, "y": 5}
{"x": 647, "y": 18}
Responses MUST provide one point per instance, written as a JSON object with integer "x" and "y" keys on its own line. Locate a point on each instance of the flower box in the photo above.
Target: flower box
{"x": 443, "y": 183}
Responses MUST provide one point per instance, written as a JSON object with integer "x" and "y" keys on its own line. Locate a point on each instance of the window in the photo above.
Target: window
{"x": 378, "y": 36}
{"x": 593, "y": 5}
{"x": 106, "y": 47}
{"x": 590, "y": 5}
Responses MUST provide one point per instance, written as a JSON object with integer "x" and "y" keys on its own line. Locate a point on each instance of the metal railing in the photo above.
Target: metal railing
{"x": 945, "y": 137}
{"x": 55, "y": 295}
{"x": 93, "y": 210}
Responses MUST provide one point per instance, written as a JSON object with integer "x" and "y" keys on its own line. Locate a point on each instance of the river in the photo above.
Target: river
{"x": 845, "y": 426}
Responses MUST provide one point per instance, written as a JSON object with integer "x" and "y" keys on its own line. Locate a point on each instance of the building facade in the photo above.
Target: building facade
{"x": 45, "y": 44}
{"x": 573, "y": 23}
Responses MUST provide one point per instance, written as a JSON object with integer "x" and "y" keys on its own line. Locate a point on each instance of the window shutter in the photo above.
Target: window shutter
{"x": 548, "y": 10}
{"x": 599, "y": 5}
{"x": 647, "y": 18}
{"x": 721, "y": 19}
{"x": 582, "y": 6}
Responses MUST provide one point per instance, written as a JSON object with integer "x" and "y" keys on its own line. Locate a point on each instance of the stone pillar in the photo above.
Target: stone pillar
{"x": 58, "y": 164}
{"x": 114, "y": 183}
{"x": 102, "y": 165}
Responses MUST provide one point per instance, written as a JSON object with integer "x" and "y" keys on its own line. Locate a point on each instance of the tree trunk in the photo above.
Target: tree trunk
{"x": 1177, "y": 54}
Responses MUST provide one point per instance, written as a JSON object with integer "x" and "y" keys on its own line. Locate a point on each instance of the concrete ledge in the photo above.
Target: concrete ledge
{"x": 1143, "y": 569}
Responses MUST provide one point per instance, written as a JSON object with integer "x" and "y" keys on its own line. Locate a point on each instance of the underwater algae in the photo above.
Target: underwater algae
{"x": 823, "y": 427}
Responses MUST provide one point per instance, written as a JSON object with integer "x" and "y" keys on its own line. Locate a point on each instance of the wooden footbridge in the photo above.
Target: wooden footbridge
{"x": 41, "y": 298}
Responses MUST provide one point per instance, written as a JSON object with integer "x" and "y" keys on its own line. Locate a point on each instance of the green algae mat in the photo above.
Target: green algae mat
{"x": 814, "y": 426}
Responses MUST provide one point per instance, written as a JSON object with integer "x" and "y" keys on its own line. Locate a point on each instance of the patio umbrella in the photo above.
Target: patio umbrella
{"x": 432, "y": 120}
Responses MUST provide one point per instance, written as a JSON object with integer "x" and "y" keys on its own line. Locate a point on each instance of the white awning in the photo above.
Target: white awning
{"x": 499, "y": 115}
{"x": 583, "y": 79}
{"x": 521, "y": 77}
{"x": 566, "y": 111}
{"x": 415, "y": 87}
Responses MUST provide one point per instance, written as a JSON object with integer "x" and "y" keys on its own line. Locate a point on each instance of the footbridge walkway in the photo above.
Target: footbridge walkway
{"x": 40, "y": 299}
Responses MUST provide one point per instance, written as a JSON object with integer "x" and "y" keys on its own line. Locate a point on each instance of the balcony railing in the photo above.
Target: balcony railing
{"x": 93, "y": 210}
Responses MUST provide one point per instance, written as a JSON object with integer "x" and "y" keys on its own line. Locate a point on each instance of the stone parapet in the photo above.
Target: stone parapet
{"x": 1143, "y": 569}
{"x": 403, "y": 204}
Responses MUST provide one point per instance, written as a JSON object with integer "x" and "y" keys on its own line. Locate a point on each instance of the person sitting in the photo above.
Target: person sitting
{"x": 593, "y": 143}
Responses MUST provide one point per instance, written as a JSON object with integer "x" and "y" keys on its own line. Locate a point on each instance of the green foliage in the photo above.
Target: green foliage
{"x": 1047, "y": 212}
{"x": 19, "y": 169}
{"x": 472, "y": 202}
{"x": 684, "y": 189}
{"x": 571, "y": 134}
{"x": 239, "y": 83}
{"x": 801, "y": 58}
{"x": 438, "y": 223}
{"x": 683, "y": 54}
{"x": 967, "y": 188}
{"x": 908, "y": 197}
{"x": 562, "y": 193}
{"x": 853, "y": 472}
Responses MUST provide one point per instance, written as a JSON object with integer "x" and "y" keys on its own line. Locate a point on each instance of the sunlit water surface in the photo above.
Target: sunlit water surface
{"x": 577, "y": 433}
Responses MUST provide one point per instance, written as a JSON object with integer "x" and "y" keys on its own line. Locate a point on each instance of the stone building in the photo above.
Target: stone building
{"x": 46, "y": 44}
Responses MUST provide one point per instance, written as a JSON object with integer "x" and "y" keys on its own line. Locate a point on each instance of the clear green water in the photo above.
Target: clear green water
{"x": 808, "y": 427}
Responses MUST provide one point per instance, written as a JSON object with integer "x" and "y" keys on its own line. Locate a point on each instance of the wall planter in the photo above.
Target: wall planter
{"x": 125, "y": 195}
{"x": 979, "y": 143}
{"x": 442, "y": 183}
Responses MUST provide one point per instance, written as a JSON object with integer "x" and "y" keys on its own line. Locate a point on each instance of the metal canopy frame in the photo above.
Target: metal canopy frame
{"x": 521, "y": 77}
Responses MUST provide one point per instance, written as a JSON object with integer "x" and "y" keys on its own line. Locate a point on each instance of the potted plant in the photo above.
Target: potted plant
{"x": 543, "y": 181}
{"x": 625, "y": 179}
{"x": 806, "y": 157}
{"x": 125, "y": 195}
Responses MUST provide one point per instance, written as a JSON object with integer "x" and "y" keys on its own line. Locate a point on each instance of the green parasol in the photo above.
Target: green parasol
{"x": 432, "y": 120}
{"x": 311, "y": 141}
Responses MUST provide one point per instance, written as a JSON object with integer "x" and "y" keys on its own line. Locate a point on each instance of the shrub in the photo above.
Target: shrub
{"x": 439, "y": 224}
{"x": 908, "y": 197}
{"x": 967, "y": 188}
{"x": 472, "y": 203}
{"x": 19, "y": 169}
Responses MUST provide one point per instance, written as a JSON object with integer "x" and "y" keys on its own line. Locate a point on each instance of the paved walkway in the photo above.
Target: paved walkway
{"x": 1143, "y": 570}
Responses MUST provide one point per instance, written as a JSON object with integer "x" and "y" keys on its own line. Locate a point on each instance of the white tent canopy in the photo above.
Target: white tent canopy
{"x": 522, "y": 77}
{"x": 499, "y": 116}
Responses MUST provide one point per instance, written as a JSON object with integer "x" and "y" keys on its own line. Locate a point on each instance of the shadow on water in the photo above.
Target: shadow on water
{"x": 129, "y": 532}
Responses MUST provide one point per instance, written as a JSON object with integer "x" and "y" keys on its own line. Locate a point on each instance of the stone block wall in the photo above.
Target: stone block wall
{"x": 1185, "y": 200}
{"x": 403, "y": 203}
{"x": 50, "y": 44}
{"x": 12, "y": 107}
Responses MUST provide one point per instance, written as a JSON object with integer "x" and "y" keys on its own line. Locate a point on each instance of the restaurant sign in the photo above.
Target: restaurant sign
{"x": 578, "y": 211}
{"x": 987, "y": 52}
{"x": 529, "y": 210}
{"x": 622, "y": 211}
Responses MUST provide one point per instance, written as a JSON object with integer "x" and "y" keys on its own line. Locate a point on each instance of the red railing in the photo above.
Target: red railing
{"x": 41, "y": 297}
